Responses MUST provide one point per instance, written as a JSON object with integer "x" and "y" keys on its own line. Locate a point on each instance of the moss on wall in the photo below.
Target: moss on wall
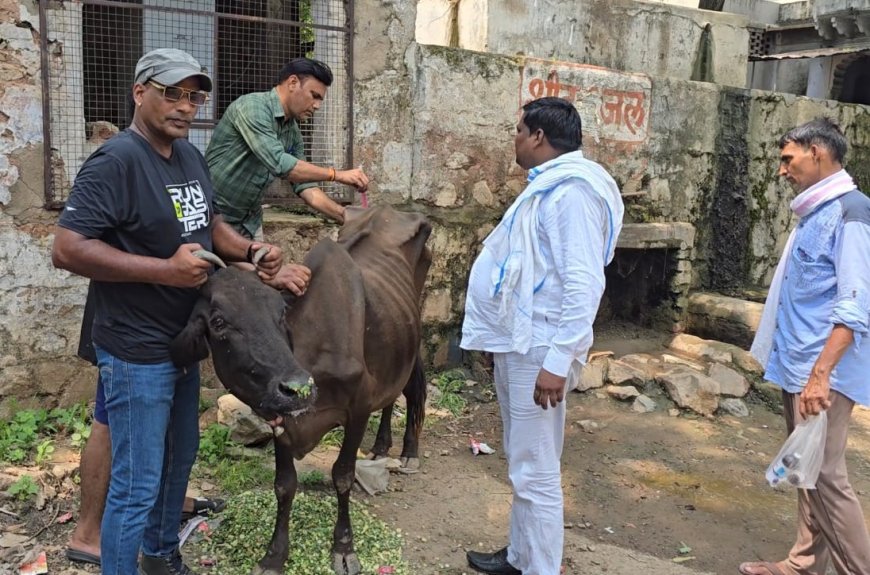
{"x": 858, "y": 159}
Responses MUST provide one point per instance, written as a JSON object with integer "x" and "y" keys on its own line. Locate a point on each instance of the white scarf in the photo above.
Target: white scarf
{"x": 520, "y": 268}
{"x": 804, "y": 204}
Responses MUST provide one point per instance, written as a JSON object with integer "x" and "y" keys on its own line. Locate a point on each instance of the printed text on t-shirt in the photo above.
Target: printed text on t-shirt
{"x": 191, "y": 207}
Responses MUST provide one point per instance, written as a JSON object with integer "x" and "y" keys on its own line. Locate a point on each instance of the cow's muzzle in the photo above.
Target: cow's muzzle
{"x": 289, "y": 398}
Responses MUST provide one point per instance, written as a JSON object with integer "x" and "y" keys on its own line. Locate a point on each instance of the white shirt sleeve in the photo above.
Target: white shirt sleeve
{"x": 575, "y": 221}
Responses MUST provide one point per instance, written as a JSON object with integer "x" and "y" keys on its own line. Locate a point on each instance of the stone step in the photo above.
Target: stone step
{"x": 722, "y": 318}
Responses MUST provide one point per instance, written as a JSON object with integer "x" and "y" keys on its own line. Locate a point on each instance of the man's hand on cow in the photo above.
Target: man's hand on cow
{"x": 184, "y": 269}
{"x": 355, "y": 178}
{"x": 270, "y": 264}
{"x": 292, "y": 277}
{"x": 549, "y": 389}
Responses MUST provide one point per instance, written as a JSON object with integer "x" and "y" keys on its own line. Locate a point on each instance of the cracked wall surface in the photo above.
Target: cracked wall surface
{"x": 40, "y": 308}
{"x": 434, "y": 130}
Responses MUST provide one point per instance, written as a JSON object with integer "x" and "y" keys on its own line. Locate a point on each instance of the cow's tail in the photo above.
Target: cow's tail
{"x": 415, "y": 396}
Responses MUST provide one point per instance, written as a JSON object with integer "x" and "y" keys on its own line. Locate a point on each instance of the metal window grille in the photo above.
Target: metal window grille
{"x": 90, "y": 49}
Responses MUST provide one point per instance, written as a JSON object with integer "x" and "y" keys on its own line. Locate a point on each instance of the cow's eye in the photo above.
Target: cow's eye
{"x": 218, "y": 323}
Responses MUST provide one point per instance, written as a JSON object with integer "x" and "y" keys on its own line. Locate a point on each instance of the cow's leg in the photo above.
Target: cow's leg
{"x": 415, "y": 395}
{"x": 285, "y": 489}
{"x": 384, "y": 439}
{"x": 344, "y": 559}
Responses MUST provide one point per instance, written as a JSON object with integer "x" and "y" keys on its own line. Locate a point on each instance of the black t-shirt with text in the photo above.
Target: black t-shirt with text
{"x": 134, "y": 199}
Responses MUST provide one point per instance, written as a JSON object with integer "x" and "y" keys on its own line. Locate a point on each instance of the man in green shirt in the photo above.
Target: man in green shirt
{"x": 258, "y": 139}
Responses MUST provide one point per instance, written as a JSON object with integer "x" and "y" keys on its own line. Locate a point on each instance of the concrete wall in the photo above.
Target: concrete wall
{"x": 441, "y": 22}
{"x": 656, "y": 38}
{"x": 795, "y": 12}
{"x": 433, "y": 127}
{"x": 39, "y": 307}
{"x": 758, "y": 11}
{"x": 701, "y": 154}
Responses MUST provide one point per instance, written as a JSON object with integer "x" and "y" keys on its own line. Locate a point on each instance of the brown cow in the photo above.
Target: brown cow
{"x": 356, "y": 331}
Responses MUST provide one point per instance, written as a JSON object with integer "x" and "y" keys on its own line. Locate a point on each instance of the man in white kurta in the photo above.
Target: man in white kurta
{"x": 533, "y": 294}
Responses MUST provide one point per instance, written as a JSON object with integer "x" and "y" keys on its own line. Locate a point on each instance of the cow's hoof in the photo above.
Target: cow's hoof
{"x": 257, "y": 570}
{"x": 346, "y": 564}
{"x": 409, "y": 465}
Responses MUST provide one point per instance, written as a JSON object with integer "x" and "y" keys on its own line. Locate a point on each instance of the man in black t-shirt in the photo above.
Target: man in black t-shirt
{"x": 96, "y": 464}
{"x": 140, "y": 207}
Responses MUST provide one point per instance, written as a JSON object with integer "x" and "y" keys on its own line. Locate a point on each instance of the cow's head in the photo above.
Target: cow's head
{"x": 242, "y": 321}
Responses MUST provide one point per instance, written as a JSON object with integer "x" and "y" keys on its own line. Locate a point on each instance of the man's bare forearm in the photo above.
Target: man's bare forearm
{"x": 318, "y": 200}
{"x": 97, "y": 260}
{"x": 838, "y": 342}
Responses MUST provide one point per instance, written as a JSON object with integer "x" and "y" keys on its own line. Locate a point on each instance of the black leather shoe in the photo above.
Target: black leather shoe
{"x": 492, "y": 563}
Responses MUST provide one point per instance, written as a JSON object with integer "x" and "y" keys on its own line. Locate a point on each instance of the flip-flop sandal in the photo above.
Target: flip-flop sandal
{"x": 769, "y": 568}
{"x": 204, "y": 506}
{"x": 79, "y": 556}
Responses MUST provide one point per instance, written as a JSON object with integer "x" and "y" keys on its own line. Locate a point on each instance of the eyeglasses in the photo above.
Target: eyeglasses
{"x": 176, "y": 93}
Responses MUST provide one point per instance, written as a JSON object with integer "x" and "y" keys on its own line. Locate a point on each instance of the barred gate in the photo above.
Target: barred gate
{"x": 90, "y": 49}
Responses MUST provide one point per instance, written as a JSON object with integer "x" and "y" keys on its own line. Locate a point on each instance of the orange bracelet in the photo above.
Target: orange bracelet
{"x": 331, "y": 174}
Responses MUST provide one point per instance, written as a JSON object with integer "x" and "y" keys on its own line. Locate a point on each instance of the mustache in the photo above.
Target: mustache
{"x": 180, "y": 119}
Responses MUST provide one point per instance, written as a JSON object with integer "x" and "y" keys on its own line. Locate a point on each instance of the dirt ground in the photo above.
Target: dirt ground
{"x": 637, "y": 490}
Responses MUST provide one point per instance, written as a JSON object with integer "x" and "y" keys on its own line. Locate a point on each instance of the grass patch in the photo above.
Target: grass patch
{"x": 244, "y": 533}
{"x": 312, "y": 478}
{"x": 230, "y": 465}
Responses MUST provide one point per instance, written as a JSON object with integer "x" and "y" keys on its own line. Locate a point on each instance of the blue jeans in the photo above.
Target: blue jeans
{"x": 154, "y": 428}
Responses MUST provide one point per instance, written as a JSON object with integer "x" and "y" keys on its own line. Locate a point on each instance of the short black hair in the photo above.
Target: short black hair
{"x": 306, "y": 67}
{"x": 559, "y": 120}
{"x": 822, "y": 132}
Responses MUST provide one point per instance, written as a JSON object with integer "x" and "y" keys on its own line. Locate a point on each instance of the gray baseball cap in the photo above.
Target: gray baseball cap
{"x": 169, "y": 66}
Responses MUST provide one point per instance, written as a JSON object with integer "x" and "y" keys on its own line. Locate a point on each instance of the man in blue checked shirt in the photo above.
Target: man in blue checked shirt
{"x": 815, "y": 321}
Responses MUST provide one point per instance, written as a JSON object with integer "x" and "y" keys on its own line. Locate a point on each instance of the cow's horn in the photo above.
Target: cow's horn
{"x": 259, "y": 255}
{"x": 210, "y": 257}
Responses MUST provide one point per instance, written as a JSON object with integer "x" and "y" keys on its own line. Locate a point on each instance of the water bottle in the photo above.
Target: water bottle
{"x": 796, "y": 478}
{"x": 788, "y": 462}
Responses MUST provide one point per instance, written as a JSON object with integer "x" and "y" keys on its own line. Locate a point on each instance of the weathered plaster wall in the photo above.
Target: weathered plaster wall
{"x": 383, "y": 72}
{"x": 656, "y": 38}
{"x": 434, "y": 129}
{"x": 39, "y": 307}
{"x": 451, "y": 23}
{"x": 698, "y": 153}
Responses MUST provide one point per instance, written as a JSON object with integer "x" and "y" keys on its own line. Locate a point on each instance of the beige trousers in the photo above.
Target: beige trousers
{"x": 830, "y": 521}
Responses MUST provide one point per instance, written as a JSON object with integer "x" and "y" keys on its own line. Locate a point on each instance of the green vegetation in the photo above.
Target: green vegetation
{"x": 28, "y": 437}
{"x": 450, "y": 384}
{"x": 23, "y": 489}
{"x": 236, "y": 474}
{"x": 214, "y": 442}
{"x": 244, "y": 535}
{"x": 229, "y": 464}
{"x": 333, "y": 437}
{"x": 312, "y": 478}
{"x": 44, "y": 451}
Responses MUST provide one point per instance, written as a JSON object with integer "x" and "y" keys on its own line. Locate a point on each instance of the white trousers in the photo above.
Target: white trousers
{"x": 533, "y": 439}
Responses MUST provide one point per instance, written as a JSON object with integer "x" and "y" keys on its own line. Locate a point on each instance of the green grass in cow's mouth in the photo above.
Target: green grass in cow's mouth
{"x": 245, "y": 527}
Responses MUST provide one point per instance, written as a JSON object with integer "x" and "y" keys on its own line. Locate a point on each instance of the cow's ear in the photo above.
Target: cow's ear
{"x": 411, "y": 226}
{"x": 191, "y": 346}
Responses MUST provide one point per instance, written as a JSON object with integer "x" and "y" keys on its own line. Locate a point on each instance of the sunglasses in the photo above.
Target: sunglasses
{"x": 176, "y": 93}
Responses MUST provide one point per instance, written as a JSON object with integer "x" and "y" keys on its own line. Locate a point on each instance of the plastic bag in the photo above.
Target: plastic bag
{"x": 799, "y": 461}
